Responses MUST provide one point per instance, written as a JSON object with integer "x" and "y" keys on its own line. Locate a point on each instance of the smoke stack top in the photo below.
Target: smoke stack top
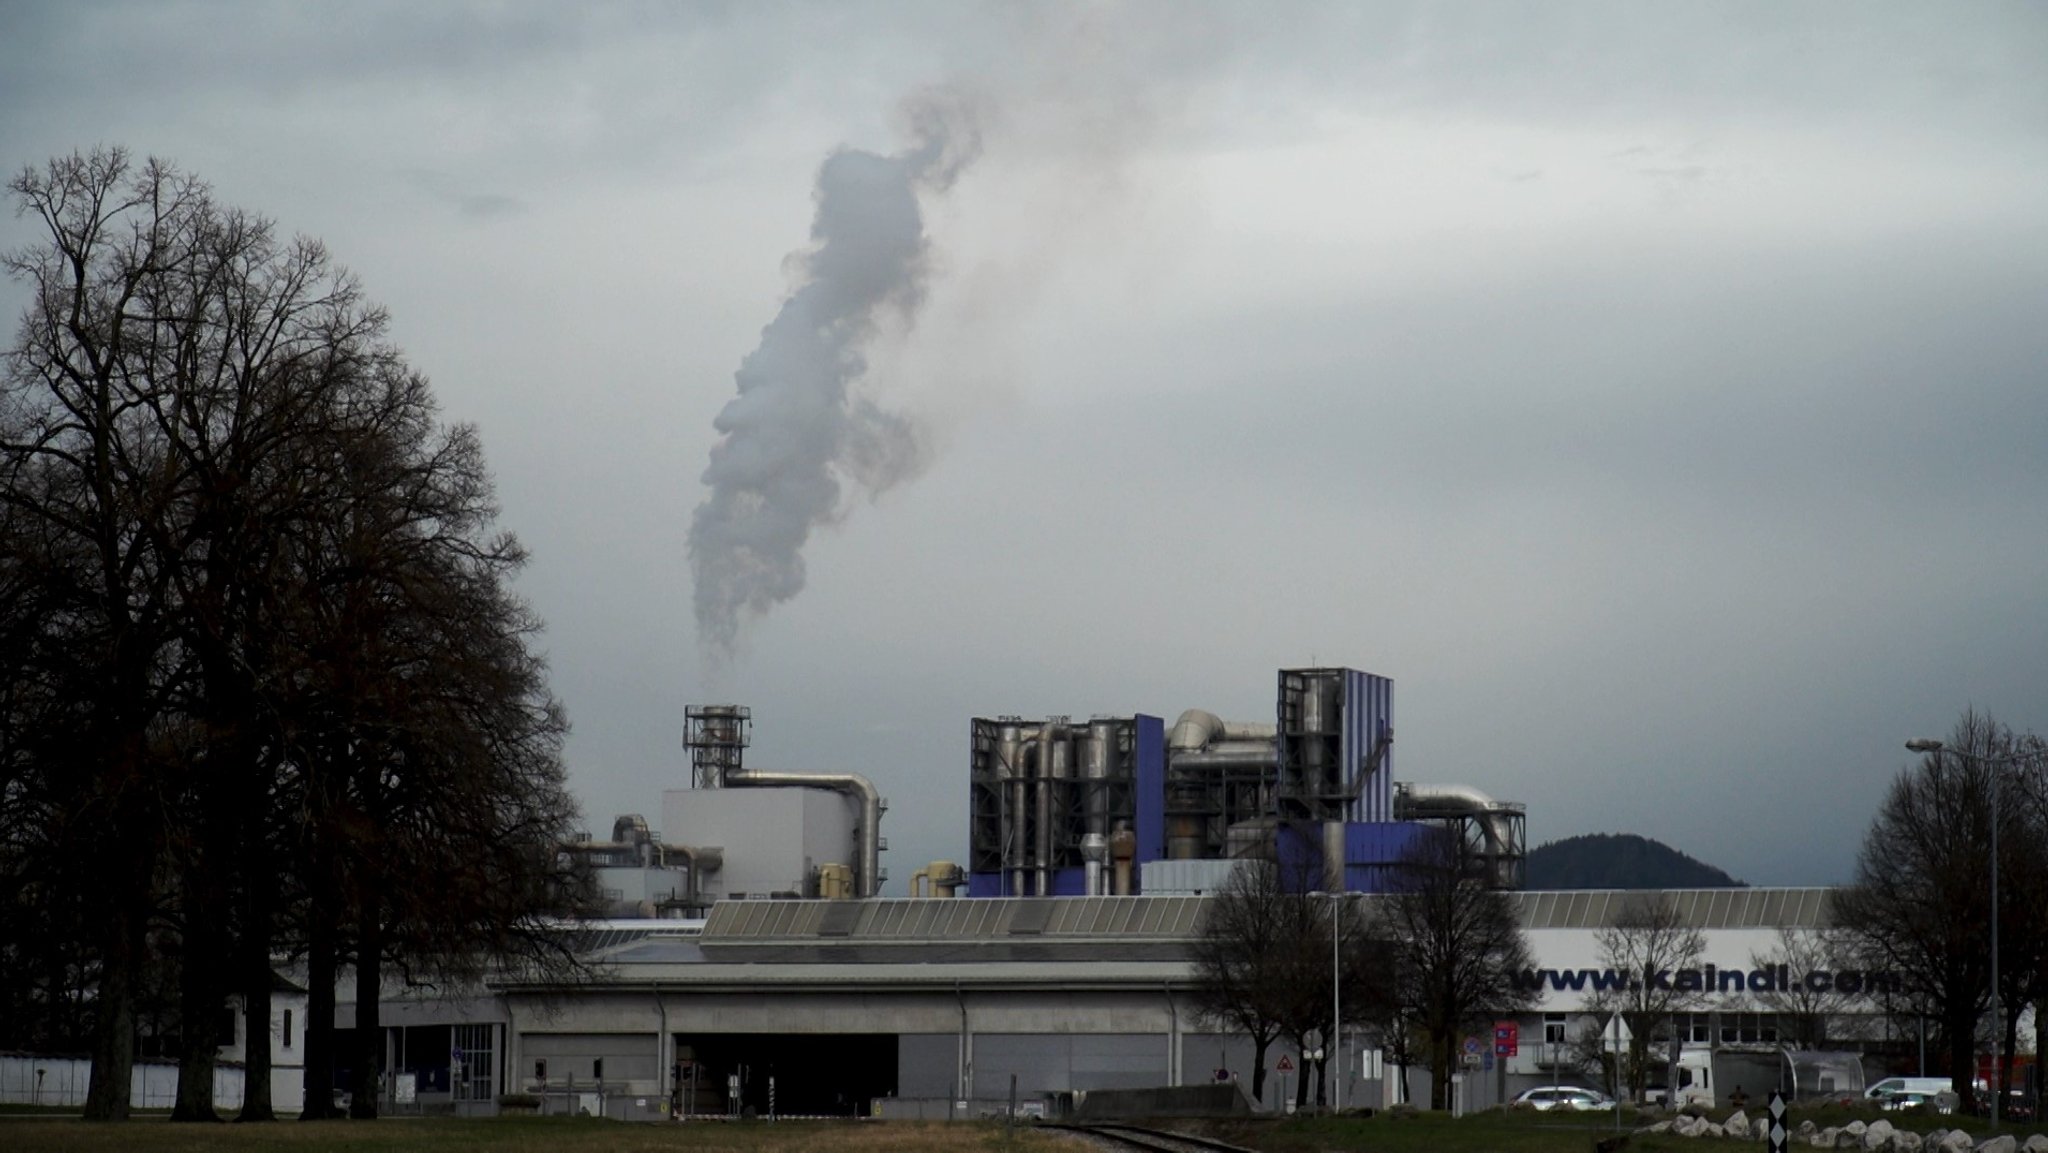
{"x": 795, "y": 433}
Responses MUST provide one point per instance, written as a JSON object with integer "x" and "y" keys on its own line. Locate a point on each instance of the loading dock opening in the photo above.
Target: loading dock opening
{"x": 813, "y": 1074}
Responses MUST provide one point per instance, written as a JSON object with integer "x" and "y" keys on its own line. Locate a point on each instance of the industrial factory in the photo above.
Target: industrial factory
{"x": 1109, "y": 806}
{"x": 752, "y": 967}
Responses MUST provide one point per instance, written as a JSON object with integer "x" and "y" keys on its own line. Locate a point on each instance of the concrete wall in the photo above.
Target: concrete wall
{"x": 66, "y": 1081}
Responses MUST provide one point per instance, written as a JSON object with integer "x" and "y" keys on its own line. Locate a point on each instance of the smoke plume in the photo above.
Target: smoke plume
{"x": 796, "y": 433}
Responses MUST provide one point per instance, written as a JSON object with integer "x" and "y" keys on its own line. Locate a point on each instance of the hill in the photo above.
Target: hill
{"x": 1620, "y": 861}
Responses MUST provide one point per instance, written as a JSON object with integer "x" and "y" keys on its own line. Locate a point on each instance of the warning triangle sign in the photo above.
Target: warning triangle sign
{"x": 1286, "y": 1064}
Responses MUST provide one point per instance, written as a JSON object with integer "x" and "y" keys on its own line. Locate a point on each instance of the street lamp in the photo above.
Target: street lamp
{"x": 1927, "y": 745}
{"x": 1336, "y": 1039}
{"x": 1336, "y": 1001}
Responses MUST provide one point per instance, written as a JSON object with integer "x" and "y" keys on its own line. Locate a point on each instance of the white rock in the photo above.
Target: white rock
{"x": 2003, "y": 1143}
{"x": 1906, "y": 1141}
{"x": 1659, "y": 1127}
{"x": 1805, "y": 1129}
{"x": 1822, "y": 1138}
{"x": 1714, "y": 1130}
{"x": 1878, "y": 1135}
{"x": 1737, "y": 1125}
{"x": 2036, "y": 1143}
{"x": 1856, "y": 1128}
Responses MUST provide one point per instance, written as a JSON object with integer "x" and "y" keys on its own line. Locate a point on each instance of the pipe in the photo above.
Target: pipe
{"x": 664, "y": 1052}
{"x": 1228, "y": 755}
{"x": 964, "y": 1072}
{"x": 1051, "y": 760}
{"x": 1010, "y": 769}
{"x": 1172, "y": 1038}
{"x": 869, "y": 833}
{"x": 1199, "y": 728}
{"x": 1101, "y": 749}
{"x": 1418, "y": 802}
{"x": 1333, "y": 857}
{"x": 1094, "y": 855}
{"x": 1123, "y": 847}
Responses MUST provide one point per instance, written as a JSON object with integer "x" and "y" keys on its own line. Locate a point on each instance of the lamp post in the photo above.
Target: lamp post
{"x": 1996, "y": 763}
{"x": 1336, "y": 1038}
{"x": 1336, "y": 1001}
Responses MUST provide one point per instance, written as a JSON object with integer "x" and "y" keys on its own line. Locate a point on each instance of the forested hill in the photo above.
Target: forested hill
{"x": 1620, "y": 861}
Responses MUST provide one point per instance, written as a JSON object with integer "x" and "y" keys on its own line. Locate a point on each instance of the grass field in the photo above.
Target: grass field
{"x": 1493, "y": 1132}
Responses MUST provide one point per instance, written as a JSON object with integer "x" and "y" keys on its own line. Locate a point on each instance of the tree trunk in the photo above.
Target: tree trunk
{"x": 1259, "y": 1046}
{"x": 198, "y": 1039}
{"x": 1446, "y": 1052}
{"x": 256, "y": 987}
{"x": 366, "y": 1075}
{"x": 199, "y": 997}
{"x": 113, "y": 1034}
{"x": 1962, "y": 1056}
{"x": 320, "y": 981}
{"x": 121, "y": 959}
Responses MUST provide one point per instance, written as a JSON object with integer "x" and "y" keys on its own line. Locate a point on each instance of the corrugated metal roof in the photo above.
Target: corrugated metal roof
{"x": 1107, "y": 920}
{"x": 1699, "y": 908}
{"x": 905, "y": 920}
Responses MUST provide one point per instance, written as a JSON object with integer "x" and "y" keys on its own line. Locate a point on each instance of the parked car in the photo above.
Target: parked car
{"x": 1571, "y": 1097}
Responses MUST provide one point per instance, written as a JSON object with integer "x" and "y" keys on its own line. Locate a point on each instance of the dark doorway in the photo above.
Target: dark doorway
{"x": 813, "y": 1074}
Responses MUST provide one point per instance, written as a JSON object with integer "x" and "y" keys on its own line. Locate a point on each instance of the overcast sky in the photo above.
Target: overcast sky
{"x": 1657, "y": 393}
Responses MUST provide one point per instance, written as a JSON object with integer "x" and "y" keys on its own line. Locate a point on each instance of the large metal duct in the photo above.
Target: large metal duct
{"x": 1496, "y": 821}
{"x": 1199, "y": 728}
{"x": 1055, "y": 765}
{"x": 1010, "y": 770}
{"x": 868, "y": 834}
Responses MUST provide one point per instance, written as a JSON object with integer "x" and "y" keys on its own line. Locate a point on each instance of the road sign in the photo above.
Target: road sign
{"x": 1286, "y": 1064}
{"x": 1474, "y": 1046}
{"x": 1507, "y": 1038}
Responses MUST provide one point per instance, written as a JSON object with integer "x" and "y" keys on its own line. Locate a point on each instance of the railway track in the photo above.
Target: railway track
{"x": 1119, "y": 1136}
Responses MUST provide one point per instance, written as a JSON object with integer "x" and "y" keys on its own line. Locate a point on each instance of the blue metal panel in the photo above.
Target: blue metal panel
{"x": 1149, "y": 751}
{"x": 1373, "y": 853}
{"x": 985, "y": 885}
{"x": 1298, "y": 848}
{"x": 1369, "y": 715}
{"x": 1069, "y": 883}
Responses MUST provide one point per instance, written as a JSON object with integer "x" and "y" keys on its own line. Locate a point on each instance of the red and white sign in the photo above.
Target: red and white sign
{"x": 1507, "y": 1038}
{"x": 1286, "y": 1064}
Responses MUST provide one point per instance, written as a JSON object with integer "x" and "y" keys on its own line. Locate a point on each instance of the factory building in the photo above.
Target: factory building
{"x": 759, "y": 970}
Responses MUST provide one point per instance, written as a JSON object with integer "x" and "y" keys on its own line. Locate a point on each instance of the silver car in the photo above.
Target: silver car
{"x": 1572, "y": 1097}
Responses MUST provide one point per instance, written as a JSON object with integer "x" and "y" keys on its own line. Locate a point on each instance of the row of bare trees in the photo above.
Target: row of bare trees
{"x": 267, "y": 692}
{"x": 1434, "y": 959}
{"x": 1441, "y": 956}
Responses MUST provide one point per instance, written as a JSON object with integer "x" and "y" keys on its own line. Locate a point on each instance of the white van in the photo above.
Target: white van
{"x": 1890, "y": 1085}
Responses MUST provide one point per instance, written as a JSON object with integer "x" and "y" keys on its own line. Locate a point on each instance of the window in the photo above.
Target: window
{"x": 287, "y": 1028}
{"x": 1749, "y": 1029}
{"x": 227, "y": 1024}
{"x": 1554, "y": 1028}
{"x": 1696, "y": 1028}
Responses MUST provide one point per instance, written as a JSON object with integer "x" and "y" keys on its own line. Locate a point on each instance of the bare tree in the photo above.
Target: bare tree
{"x": 1803, "y": 1008}
{"x": 1455, "y": 945}
{"x": 1248, "y": 959}
{"x": 1656, "y": 957}
{"x": 1920, "y": 908}
{"x": 263, "y": 658}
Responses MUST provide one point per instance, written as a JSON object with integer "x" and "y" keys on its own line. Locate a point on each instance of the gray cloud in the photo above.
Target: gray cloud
{"x": 1672, "y": 504}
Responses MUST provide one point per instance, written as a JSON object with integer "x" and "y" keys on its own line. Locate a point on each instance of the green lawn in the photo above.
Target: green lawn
{"x": 1493, "y": 1132}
